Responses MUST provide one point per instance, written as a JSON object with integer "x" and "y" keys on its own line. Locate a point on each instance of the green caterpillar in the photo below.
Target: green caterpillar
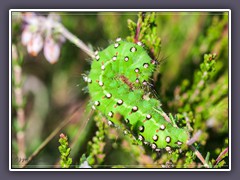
{"x": 116, "y": 80}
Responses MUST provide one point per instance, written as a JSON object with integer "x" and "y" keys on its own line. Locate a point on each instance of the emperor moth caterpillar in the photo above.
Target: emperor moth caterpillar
{"x": 115, "y": 85}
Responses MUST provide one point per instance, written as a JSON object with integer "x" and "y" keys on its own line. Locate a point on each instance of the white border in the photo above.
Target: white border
{"x": 120, "y": 10}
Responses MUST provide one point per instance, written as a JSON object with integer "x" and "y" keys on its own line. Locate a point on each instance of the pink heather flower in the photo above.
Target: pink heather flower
{"x": 39, "y": 32}
{"x": 30, "y": 18}
{"x": 51, "y": 50}
{"x": 35, "y": 44}
{"x": 26, "y": 36}
{"x": 62, "y": 135}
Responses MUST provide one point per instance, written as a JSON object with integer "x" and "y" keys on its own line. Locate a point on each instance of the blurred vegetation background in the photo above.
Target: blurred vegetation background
{"x": 53, "y": 93}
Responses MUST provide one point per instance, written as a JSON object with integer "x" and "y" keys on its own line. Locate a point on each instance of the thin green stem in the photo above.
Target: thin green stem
{"x": 50, "y": 137}
{"x": 74, "y": 39}
{"x": 18, "y": 95}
